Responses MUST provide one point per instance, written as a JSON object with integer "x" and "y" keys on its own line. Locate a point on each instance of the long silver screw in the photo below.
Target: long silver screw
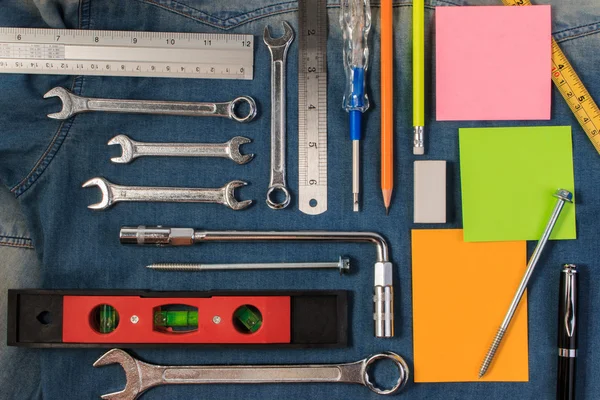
{"x": 562, "y": 196}
{"x": 343, "y": 265}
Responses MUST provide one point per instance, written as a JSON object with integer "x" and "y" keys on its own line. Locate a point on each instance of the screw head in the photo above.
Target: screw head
{"x": 216, "y": 319}
{"x": 344, "y": 265}
{"x": 134, "y": 319}
{"x": 564, "y": 195}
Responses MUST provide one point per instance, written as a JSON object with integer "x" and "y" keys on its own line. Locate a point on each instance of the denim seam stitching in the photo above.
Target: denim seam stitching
{"x": 26, "y": 244}
{"x": 577, "y": 36}
{"x": 14, "y": 237}
{"x": 236, "y": 25}
{"x": 577, "y": 27}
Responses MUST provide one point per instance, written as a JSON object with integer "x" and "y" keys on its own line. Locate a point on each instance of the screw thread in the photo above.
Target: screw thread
{"x": 489, "y": 357}
{"x": 175, "y": 267}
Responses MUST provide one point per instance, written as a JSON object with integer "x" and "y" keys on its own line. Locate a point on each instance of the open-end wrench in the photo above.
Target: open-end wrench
{"x": 112, "y": 193}
{"x": 73, "y": 104}
{"x": 278, "y": 48}
{"x": 141, "y": 376}
{"x": 132, "y": 149}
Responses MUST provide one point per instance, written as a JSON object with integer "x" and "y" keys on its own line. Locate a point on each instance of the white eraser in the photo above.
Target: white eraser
{"x": 430, "y": 192}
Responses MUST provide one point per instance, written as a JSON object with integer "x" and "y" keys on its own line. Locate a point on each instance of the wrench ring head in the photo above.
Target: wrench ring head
{"x": 286, "y": 39}
{"x": 273, "y": 204}
{"x": 403, "y": 372}
{"x": 65, "y": 97}
{"x": 230, "y": 199}
{"x": 234, "y": 150}
{"x": 132, "y": 374}
{"x": 104, "y": 186}
{"x": 236, "y": 102}
{"x": 126, "y": 149}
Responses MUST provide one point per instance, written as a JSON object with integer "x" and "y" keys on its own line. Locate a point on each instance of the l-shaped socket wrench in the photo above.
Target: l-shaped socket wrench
{"x": 383, "y": 315}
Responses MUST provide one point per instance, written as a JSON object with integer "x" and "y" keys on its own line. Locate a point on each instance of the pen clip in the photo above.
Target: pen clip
{"x": 570, "y": 306}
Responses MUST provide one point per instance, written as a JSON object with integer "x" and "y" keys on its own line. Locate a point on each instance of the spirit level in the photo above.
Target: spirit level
{"x": 119, "y": 318}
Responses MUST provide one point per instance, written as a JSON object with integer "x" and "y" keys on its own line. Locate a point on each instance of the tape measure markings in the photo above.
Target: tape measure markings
{"x": 126, "y": 53}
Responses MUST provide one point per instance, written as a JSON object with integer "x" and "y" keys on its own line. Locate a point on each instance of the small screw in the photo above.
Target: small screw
{"x": 134, "y": 319}
{"x": 217, "y": 319}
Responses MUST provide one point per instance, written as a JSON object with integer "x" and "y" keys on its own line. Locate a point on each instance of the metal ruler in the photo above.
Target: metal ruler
{"x": 312, "y": 107}
{"x": 571, "y": 88}
{"x": 125, "y": 53}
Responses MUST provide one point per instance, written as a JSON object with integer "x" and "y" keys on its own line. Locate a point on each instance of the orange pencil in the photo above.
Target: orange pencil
{"x": 387, "y": 103}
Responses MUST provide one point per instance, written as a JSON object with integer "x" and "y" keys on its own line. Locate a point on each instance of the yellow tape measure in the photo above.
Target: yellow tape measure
{"x": 572, "y": 89}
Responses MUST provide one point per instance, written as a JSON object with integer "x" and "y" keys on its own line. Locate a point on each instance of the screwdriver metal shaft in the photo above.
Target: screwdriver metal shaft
{"x": 563, "y": 196}
{"x": 355, "y": 173}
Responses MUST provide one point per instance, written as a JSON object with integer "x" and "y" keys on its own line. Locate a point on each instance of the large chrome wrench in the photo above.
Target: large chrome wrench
{"x": 73, "y": 104}
{"x": 132, "y": 149}
{"x": 112, "y": 193}
{"x": 141, "y": 376}
{"x": 278, "y": 48}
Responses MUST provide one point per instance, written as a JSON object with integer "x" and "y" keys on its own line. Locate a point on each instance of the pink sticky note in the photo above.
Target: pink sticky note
{"x": 493, "y": 63}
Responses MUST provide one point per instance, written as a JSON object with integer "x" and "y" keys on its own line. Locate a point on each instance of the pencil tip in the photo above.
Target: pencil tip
{"x": 387, "y": 211}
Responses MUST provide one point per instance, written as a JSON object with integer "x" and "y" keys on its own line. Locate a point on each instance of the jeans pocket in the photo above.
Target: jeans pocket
{"x": 225, "y": 14}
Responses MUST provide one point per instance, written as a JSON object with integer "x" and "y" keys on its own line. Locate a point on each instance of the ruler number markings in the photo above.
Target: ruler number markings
{"x": 312, "y": 100}
{"x": 62, "y": 51}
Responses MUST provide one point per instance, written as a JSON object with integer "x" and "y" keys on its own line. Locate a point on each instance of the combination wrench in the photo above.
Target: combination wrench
{"x": 112, "y": 193}
{"x": 141, "y": 376}
{"x": 73, "y": 104}
{"x": 130, "y": 149}
{"x": 278, "y": 48}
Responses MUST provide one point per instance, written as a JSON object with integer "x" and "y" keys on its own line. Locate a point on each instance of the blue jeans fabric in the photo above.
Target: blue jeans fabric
{"x": 19, "y": 268}
{"x": 44, "y": 163}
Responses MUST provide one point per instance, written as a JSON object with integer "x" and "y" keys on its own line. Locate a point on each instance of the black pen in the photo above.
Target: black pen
{"x": 567, "y": 333}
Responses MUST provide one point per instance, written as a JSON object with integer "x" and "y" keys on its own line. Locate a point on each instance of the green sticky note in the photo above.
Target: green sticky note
{"x": 508, "y": 178}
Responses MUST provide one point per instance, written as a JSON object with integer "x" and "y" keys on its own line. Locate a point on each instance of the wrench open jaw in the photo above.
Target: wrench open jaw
{"x": 105, "y": 189}
{"x": 126, "y": 144}
{"x": 234, "y": 150}
{"x": 71, "y": 103}
{"x": 134, "y": 383}
{"x": 112, "y": 193}
{"x": 282, "y": 41}
{"x": 230, "y": 199}
{"x": 131, "y": 149}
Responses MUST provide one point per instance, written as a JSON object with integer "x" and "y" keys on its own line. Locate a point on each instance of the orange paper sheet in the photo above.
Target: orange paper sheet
{"x": 461, "y": 292}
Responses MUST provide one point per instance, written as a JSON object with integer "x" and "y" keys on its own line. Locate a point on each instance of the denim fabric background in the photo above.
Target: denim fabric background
{"x": 19, "y": 267}
{"x": 44, "y": 162}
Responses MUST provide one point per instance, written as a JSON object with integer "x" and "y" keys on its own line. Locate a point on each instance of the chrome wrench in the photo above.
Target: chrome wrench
{"x": 278, "y": 48}
{"x": 132, "y": 149}
{"x": 112, "y": 193}
{"x": 141, "y": 376}
{"x": 73, "y": 104}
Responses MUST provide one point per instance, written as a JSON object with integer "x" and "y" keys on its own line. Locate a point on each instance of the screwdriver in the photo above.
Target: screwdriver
{"x": 355, "y": 20}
